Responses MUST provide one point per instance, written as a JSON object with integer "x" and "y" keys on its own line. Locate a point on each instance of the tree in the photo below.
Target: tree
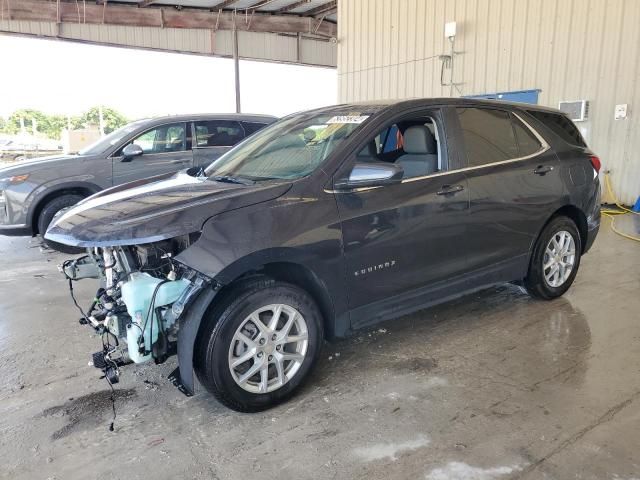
{"x": 48, "y": 125}
{"x": 112, "y": 119}
{"x": 52, "y": 125}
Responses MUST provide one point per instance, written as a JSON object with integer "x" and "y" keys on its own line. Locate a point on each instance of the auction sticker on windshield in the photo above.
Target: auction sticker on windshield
{"x": 348, "y": 119}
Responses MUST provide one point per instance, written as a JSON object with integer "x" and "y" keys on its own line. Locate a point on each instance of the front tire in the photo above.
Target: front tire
{"x": 555, "y": 260}
{"x": 50, "y": 210}
{"x": 259, "y": 344}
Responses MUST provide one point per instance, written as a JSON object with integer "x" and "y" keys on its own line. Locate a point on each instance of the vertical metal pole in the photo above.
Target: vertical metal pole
{"x": 101, "y": 120}
{"x": 236, "y": 65}
{"x": 451, "y": 40}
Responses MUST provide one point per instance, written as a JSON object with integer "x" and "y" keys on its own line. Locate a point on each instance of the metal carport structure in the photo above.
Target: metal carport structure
{"x": 287, "y": 31}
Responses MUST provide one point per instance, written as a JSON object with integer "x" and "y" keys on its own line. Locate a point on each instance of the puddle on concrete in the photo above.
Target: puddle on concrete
{"x": 390, "y": 450}
{"x": 415, "y": 364}
{"x": 463, "y": 471}
{"x": 86, "y": 412}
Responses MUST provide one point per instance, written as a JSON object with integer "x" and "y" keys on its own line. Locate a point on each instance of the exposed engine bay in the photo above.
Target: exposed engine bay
{"x": 143, "y": 292}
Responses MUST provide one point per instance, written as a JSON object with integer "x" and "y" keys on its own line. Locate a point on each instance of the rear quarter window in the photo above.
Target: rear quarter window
{"x": 561, "y": 125}
{"x": 527, "y": 141}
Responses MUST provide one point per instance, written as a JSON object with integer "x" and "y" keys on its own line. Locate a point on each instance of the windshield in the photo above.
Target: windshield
{"x": 108, "y": 141}
{"x": 289, "y": 149}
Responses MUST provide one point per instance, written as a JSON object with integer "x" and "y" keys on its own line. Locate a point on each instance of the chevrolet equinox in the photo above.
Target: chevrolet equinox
{"x": 325, "y": 222}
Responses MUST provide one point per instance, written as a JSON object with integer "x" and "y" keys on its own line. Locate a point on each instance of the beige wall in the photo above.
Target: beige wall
{"x": 569, "y": 49}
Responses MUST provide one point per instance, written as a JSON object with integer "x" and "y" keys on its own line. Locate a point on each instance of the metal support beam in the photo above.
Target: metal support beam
{"x": 236, "y": 68}
{"x": 325, "y": 7}
{"x": 293, "y": 6}
{"x": 222, "y": 5}
{"x": 326, "y": 12}
{"x": 255, "y": 6}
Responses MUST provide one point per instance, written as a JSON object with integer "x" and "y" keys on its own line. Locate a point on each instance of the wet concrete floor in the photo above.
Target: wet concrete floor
{"x": 494, "y": 385}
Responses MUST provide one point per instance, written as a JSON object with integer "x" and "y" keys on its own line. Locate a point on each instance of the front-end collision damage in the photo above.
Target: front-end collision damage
{"x": 146, "y": 306}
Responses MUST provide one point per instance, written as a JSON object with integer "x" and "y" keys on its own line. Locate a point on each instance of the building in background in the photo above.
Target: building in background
{"x": 544, "y": 51}
{"x": 75, "y": 140}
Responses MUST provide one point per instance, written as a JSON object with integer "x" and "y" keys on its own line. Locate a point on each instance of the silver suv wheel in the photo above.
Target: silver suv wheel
{"x": 268, "y": 348}
{"x": 559, "y": 258}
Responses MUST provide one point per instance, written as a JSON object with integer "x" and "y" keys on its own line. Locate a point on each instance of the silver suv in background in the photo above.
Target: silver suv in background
{"x": 34, "y": 192}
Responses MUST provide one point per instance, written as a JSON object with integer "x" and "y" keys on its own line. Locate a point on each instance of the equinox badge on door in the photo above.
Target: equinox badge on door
{"x": 374, "y": 268}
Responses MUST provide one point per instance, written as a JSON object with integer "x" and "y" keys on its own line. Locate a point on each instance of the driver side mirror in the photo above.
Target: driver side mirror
{"x": 130, "y": 151}
{"x": 371, "y": 174}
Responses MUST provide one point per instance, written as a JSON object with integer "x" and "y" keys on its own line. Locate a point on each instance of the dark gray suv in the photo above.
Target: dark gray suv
{"x": 33, "y": 192}
{"x": 325, "y": 222}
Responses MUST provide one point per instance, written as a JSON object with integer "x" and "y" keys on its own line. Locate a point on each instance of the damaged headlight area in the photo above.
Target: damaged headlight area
{"x": 143, "y": 293}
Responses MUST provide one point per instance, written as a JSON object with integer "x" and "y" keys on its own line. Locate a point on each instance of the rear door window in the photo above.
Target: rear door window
{"x": 252, "y": 127}
{"x": 218, "y": 133}
{"x": 488, "y": 135}
{"x": 561, "y": 125}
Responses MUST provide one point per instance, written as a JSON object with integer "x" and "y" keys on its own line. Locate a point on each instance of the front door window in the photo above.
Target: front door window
{"x": 413, "y": 144}
{"x": 163, "y": 139}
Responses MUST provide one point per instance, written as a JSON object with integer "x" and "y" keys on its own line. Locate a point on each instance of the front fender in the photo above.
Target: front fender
{"x": 187, "y": 334}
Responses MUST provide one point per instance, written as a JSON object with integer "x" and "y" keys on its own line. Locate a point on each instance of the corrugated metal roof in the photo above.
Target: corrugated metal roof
{"x": 264, "y": 6}
{"x": 275, "y": 16}
{"x": 290, "y": 31}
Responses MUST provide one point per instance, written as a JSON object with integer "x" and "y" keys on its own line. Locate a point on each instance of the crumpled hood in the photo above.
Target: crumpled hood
{"x": 154, "y": 209}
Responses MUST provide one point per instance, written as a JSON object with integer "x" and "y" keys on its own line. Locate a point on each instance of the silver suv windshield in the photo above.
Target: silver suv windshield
{"x": 289, "y": 149}
{"x": 106, "y": 142}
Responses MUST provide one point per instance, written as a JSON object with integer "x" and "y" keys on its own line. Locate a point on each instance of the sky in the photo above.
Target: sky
{"x": 68, "y": 78}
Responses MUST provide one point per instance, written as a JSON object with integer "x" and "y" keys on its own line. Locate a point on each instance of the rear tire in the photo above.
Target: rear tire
{"x": 50, "y": 210}
{"x": 280, "y": 359}
{"x": 555, "y": 260}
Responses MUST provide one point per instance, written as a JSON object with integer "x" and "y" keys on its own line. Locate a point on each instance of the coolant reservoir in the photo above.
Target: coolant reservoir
{"x": 136, "y": 295}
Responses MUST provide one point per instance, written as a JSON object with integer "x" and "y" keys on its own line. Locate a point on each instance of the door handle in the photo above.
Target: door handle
{"x": 450, "y": 189}
{"x": 542, "y": 169}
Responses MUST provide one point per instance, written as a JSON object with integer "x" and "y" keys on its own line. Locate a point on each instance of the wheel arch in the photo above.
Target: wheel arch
{"x": 575, "y": 214}
{"x": 292, "y": 272}
{"x": 297, "y": 274}
{"x": 578, "y": 217}
{"x": 75, "y": 188}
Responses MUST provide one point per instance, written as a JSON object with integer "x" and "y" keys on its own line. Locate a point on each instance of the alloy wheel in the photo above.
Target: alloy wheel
{"x": 268, "y": 348}
{"x": 559, "y": 258}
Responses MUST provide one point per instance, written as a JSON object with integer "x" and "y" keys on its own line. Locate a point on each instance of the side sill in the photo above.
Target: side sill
{"x": 418, "y": 299}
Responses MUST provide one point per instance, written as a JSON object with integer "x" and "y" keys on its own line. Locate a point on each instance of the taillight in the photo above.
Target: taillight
{"x": 595, "y": 161}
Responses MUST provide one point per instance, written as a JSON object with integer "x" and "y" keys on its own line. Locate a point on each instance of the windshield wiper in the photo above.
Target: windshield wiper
{"x": 231, "y": 179}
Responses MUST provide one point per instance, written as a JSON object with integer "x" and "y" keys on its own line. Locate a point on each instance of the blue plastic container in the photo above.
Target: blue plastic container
{"x": 136, "y": 295}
